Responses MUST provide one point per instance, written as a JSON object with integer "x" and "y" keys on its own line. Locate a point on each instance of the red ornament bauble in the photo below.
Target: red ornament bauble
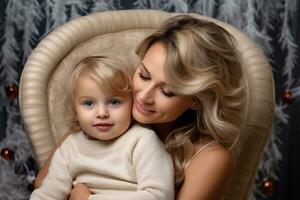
{"x": 7, "y": 154}
{"x": 287, "y": 96}
{"x": 268, "y": 186}
{"x": 12, "y": 91}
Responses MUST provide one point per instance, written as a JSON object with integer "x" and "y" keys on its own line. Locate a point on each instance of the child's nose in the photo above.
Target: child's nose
{"x": 102, "y": 112}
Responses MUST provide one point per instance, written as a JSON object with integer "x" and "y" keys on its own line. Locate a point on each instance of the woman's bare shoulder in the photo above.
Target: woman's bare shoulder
{"x": 215, "y": 156}
{"x": 208, "y": 174}
{"x": 212, "y": 151}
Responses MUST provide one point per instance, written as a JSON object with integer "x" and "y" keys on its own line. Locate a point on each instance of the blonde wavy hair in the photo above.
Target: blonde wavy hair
{"x": 112, "y": 73}
{"x": 202, "y": 61}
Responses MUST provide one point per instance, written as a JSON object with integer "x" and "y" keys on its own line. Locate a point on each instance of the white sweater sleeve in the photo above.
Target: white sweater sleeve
{"x": 154, "y": 170}
{"x": 58, "y": 182}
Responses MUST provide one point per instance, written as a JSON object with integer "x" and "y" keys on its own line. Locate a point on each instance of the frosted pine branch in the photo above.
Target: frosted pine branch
{"x": 230, "y": 12}
{"x": 15, "y": 12}
{"x": 103, "y": 5}
{"x": 47, "y": 5}
{"x": 288, "y": 44}
{"x": 291, "y": 5}
{"x": 280, "y": 113}
{"x": 58, "y": 16}
{"x": 296, "y": 92}
{"x": 9, "y": 48}
{"x": 155, "y": 4}
{"x": 33, "y": 16}
{"x": 204, "y": 7}
{"x": 270, "y": 161}
{"x": 77, "y": 8}
{"x": 15, "y": 135}
{"x": 268, "y": 11}
{"x": 115, "y": 4}
{"x": 251, "y": 28}
{"x": 9, "y": 55}
{"x": 140, "y": 4}
{"x": 12, "y": 186}
{"x": 149, "y": 4}
{"x": 180, "y": 6}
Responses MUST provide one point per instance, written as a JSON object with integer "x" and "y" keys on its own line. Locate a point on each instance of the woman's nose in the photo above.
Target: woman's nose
{"x": 102, "y": 112}
{"x": 146, "y": 95}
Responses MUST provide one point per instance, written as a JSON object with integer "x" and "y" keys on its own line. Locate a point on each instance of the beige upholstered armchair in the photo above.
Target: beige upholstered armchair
{"x": 50, "y": 63}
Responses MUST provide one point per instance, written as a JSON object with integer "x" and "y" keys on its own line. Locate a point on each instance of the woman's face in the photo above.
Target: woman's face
{"x": 154, "y": 102}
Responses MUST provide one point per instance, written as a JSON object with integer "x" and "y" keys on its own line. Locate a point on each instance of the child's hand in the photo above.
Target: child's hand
{"x": 79, "y": 192}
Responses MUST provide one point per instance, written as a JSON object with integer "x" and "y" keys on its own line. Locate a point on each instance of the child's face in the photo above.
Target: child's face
{"x": 101, "y": 115}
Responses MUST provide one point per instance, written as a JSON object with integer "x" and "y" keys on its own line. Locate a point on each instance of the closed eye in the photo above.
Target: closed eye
{"x": 167, "y": 93}
{"x": 143, "y": 72}
{"x": 144, "y": 77}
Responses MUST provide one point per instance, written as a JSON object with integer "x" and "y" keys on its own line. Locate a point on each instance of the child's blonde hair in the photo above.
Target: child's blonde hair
{"x": 112, "y": 73}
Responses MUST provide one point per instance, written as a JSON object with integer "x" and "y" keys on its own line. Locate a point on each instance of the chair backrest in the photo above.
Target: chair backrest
{"x": 50, "y": 64}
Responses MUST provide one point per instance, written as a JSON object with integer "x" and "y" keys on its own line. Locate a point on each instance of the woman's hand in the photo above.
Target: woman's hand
{"x": 79, "y": 192}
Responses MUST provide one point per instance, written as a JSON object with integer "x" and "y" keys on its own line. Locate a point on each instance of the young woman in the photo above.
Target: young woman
{"x": 189, "y": 88}
{"x": 106, "y": 151}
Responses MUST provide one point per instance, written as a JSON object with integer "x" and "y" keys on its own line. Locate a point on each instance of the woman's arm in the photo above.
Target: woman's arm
{"x": 44, "y": 170}
{"x": 207, "y": 175}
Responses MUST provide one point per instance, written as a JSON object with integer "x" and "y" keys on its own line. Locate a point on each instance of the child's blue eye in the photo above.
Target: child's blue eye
{"x": 114, "y": 102}
{"x": 88, "y": 103}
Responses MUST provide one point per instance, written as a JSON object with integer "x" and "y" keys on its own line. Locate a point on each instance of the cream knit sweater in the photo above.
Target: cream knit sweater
{"x": 134, "y": 166}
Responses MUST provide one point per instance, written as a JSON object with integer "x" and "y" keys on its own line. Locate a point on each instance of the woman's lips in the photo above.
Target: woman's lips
{"x": 143, "y": 109}
{"x": 103, "y": 127}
